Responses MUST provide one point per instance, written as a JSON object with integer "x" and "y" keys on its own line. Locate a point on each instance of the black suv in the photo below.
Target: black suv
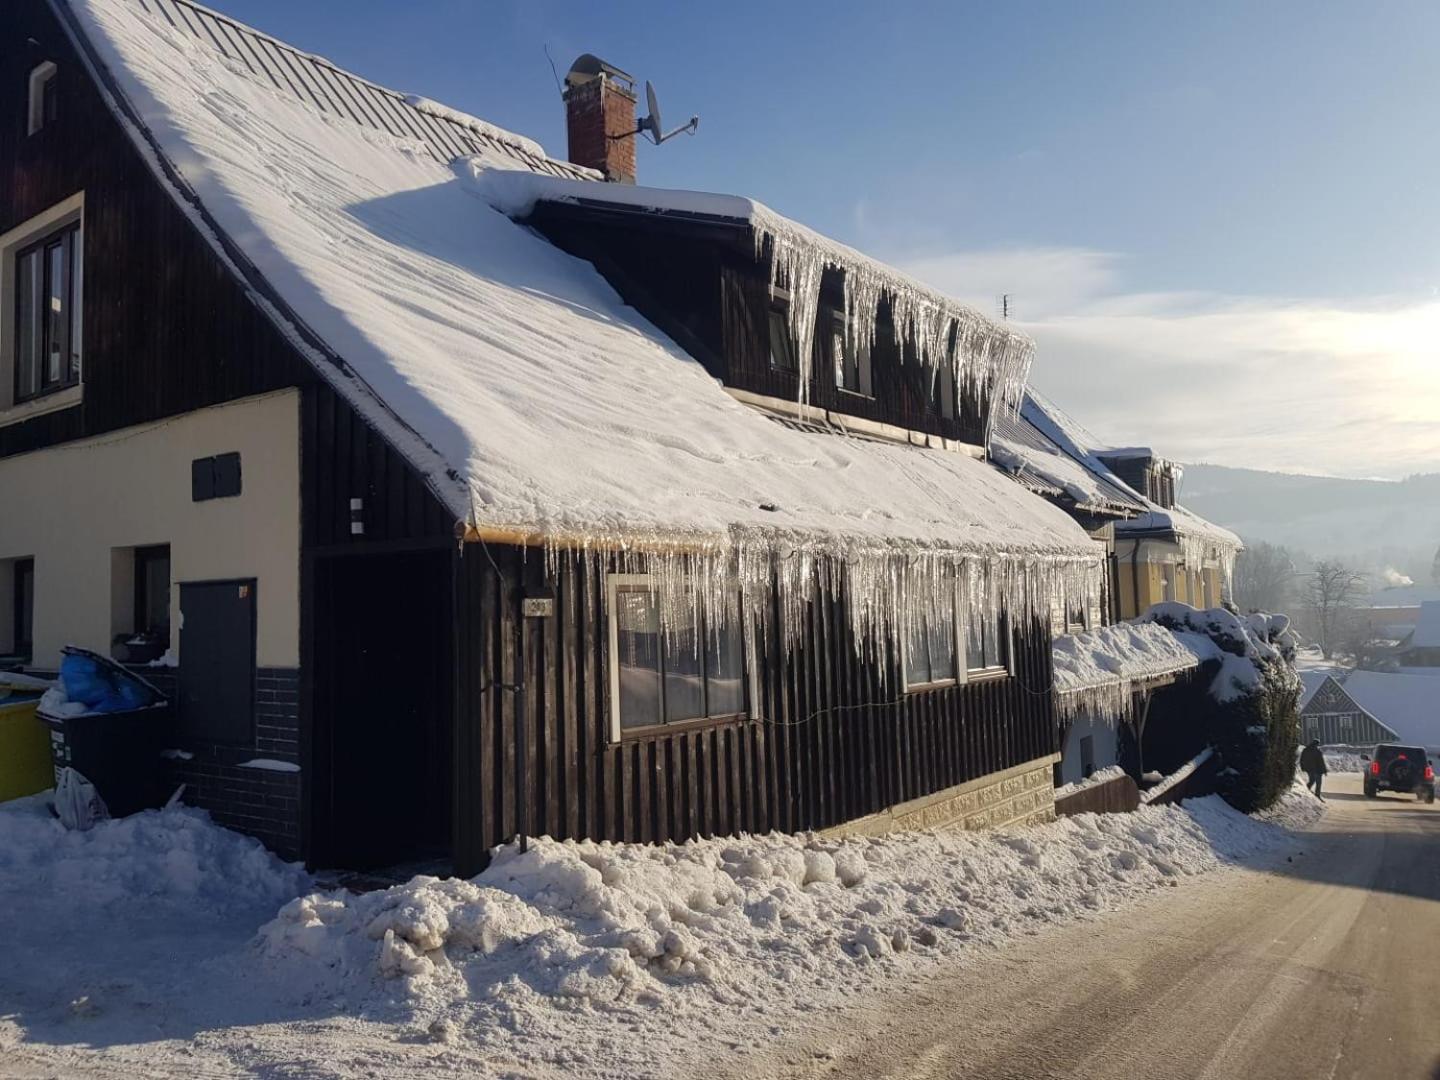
{"x": 1400, "y": 768}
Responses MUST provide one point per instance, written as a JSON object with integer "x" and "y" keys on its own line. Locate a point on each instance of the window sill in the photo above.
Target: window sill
{"x": 679, "y": 727}
{"x": 53, "y": 402}
{"x": 987, "y": 674}
{"x": 939, "y": 684}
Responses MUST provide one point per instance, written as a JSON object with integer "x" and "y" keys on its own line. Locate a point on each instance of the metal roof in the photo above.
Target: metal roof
{"x": 1021, "y": 432}
{"x": 316, "y": 81}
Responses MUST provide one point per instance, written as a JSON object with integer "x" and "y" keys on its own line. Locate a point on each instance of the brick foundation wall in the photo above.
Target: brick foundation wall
{"x": 264, "y": 803}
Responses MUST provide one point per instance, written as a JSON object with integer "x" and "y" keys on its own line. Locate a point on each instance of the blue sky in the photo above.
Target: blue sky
{"x": 1228, "y": 209}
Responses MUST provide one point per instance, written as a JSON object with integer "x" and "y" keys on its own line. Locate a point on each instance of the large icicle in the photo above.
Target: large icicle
{"x": 885, "y": 586}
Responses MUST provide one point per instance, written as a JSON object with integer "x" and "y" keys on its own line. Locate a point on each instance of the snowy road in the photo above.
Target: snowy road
{"x": 1326, "y": 966}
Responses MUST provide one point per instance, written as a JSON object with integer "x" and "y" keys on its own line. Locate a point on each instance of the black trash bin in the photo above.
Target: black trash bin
{"x": 117, "y": 751}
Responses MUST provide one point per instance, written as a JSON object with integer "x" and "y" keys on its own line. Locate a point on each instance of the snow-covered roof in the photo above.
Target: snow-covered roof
{"x": 1036, "y": 460}
{"x": 1406, "y": 704}
{"x": 1202, "y": 540}
{"x": 1099, "y": 669}
{"x": 1427, "y": 629}
{"x": 1405, "y": 596}
{"x": 534, "y": 402}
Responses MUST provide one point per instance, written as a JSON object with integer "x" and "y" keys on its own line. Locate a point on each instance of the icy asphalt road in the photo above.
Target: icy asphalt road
{"x": 1327, "y": 965}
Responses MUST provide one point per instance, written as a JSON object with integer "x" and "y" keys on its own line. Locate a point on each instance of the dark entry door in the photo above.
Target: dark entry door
{"x": 382, "y": 708}
{"x": 217, "y": 660}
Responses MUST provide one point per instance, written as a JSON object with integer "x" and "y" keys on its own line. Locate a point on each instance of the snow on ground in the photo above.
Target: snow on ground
{"x": 154, "y": 943}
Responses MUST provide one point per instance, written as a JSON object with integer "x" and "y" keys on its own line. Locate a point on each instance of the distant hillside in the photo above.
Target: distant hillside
{"x": 1379, "y": 523}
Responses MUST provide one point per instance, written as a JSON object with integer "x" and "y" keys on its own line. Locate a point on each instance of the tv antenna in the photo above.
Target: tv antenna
{"x": 652, "y": 124}
{"x": 1004, "y": 305}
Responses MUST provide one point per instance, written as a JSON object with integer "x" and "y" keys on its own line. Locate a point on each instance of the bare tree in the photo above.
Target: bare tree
{"x": 1332, "y": 591}
{"x": 1264, "y": 577}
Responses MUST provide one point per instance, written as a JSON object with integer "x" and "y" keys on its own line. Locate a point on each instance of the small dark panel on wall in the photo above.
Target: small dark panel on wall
{"x": 202, "y": 479}
{"x": 227, "y": 475}
{"x": 215, "y": 477}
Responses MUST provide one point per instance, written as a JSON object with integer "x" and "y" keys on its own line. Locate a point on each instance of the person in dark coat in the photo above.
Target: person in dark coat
{"x": 1312, "y": 763}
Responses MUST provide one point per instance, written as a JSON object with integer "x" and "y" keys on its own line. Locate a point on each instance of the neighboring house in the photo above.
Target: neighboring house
{"x": 1331, "y": 715}
{"x": 1420, "y": 649}
{"x": 1095, "y": 501}
{"x": 1163, "y": 553}
{"x": 440, "y": 541}
{"x": 1403, "y": 704}
{"x": 1392, "y": 614}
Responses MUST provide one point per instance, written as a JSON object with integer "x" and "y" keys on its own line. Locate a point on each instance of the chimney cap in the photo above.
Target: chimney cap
{"x": 590, "y": 67}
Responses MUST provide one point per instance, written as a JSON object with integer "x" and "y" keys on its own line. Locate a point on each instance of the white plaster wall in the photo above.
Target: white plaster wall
{"x": 70, "y": 506}
{"x": 1107, "y": 747}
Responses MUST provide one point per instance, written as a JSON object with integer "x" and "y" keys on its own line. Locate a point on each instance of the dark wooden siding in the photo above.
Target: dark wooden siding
{"x": 1332, "y": 730}
{"x": 343, "y": 458}
{"x": 801, "y": 767}
{"x": 167, "y": 327}
{"x": 702, "y": 285}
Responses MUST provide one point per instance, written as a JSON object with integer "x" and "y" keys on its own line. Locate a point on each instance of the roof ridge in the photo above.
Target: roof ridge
{"x": 457, "y": 145}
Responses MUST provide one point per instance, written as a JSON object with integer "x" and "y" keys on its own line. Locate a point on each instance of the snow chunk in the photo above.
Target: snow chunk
{"x": 269, "y": 765}
{"x": 1096, "y": 671}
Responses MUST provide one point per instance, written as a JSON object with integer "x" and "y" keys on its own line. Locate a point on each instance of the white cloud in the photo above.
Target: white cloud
{"x": 1341, "y": 388}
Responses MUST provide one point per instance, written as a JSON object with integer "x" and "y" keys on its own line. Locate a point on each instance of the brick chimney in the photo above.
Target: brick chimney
{"x": 599, "y": 105}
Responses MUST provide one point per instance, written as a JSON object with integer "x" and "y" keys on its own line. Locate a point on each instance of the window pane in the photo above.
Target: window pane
{"x": 725, "y": 672}
{"x": 947, "y": 392}
{"x": 154, "y": 615}
{"x": 842, "y": 360}
{"x": 49, "y": 100}
{"x": 917, "y": 653}
{"x": 975, "y": 642}
{"x": 942, "y": 643}
{"x": 684, "y": 673}
{"x": 638, "y": 649}
{"x": 782, "y": 350}
{"x": 24, "y": 605}
{"x": 994, "y": 643}
{"x": 29, "y": 284}
{"x": 56, "y": 313}
{"x": 77, "y": 307}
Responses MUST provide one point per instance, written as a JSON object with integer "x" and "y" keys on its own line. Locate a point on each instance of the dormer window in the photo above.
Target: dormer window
{"x": 852, "y": 360}
{"x": 43, "y": 101}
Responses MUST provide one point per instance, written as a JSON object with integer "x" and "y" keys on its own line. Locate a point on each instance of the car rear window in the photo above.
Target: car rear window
{"x": 1387, "y": 754}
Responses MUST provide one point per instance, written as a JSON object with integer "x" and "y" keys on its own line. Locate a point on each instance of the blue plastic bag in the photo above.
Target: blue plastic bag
{"x": 101, "y": 685}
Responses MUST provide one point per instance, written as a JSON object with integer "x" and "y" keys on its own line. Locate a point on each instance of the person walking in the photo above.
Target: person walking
{"x": 1312, "y": 763}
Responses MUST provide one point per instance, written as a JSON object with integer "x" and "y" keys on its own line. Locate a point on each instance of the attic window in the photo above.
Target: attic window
{"x": 782, "y": 342}
{"x": 43, "y": 102}
{"x": 852, "y": 364}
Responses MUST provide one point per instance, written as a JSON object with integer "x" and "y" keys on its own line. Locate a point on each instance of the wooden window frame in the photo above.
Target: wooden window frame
{"x": 614, "y": 583}
{"x": 838, "y": 361}
{"x": 62, "y": 219}
{"x": 964, "y": 673}
{"x": 779, "y": 308}
{"x": 42, "y": 106}
{"x": 72, "y": 252}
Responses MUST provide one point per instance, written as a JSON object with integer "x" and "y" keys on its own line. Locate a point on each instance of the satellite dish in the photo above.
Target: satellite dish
{"x": 652, "y": 125}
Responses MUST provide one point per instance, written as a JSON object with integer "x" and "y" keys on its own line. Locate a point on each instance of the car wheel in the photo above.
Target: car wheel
{"x": 1369, "y": 791}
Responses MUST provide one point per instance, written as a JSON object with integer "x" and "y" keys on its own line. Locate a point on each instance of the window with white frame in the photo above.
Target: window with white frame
{"x": 943, "y": 646}
{"x": 42, "y": 286}
{"x": 851, "y": 359}
{"x": 987, "y": 645}
{"x": 44, "y": 104}
{"x": 688, "y": 671}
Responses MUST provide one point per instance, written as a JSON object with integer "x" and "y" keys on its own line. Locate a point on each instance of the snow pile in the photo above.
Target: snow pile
{"x": 712, "y": 925}
{"x": 148, "y": 863}
{"x": 1248, "y": 647}
{"x": 538, "y": 406}
{"x": 1097, "y": 671}
{"x": 1095, "y": 779}
{"x": 1344, "y": 759}
{"x": 1297, "y": 808}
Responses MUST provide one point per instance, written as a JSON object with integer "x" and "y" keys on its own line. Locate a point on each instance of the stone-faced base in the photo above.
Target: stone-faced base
{"x": 1022, "y": 795}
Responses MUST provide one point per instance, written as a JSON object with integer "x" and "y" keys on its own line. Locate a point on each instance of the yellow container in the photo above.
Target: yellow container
{"x": 24, "y": 744}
